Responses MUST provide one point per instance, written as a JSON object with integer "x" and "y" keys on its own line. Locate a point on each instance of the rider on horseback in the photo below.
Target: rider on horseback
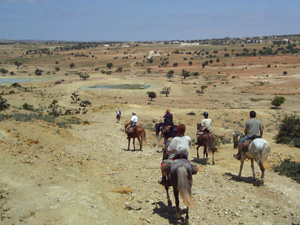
{"x": 132, "y": 123}
{"x": 133, "y": 119}
{"x": 253, "y": 129}
{"x": 168, "y": 120}
{"x": 177, "y": 149}
{"x": 206, "y": 127}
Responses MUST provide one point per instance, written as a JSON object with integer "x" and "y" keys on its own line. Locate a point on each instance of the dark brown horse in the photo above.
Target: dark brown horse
{"x": 180, "y": 177}
{"x": 207, "y": 141}
{"x": 118, "y": 117}
{"x": 135, "y": 132}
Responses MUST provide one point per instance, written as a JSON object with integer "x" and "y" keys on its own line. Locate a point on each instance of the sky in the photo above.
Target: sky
{"x": 151, "y": 20}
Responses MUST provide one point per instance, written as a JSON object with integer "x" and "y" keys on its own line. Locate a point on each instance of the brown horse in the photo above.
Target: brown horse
{"x": 207, "y": 141}
{"x": 180, "y": 177}
{"x": 136, "y": 132}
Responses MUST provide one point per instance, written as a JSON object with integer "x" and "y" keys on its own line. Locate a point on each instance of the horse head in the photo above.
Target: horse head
{"x": 236, "y": 137}
{"x": 199, "y": 125}
{"x": 125, "y": 126}
{"x": 157, "y": 128}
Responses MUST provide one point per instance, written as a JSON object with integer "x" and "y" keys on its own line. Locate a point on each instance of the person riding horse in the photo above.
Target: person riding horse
{"x": 168, "y": 120}
{"x": 253, "y": 129}
{"x": 177, "y": 149}
{"x": 206, "y": 124}
{"x": 118, "y": 114}
{"x": 133, "y": 122}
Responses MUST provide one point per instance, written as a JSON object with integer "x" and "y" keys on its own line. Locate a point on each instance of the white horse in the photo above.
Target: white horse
{"x": 258, "y": 150}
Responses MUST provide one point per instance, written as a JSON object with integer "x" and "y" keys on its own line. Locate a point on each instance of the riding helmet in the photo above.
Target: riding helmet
{"x": 205, "y": 114}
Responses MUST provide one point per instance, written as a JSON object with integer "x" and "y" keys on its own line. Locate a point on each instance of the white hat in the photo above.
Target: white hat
{"x": 134, "y": 113}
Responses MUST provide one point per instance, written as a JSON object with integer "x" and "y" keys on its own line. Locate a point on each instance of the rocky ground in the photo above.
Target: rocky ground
{"x": 85, "y": 175}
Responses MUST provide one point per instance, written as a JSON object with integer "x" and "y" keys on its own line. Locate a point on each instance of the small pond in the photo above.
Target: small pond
{"x": 120, "y": 86}
{"x": 13, "y": 80}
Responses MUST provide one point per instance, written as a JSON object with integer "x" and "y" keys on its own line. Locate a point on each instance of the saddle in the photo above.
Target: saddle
{"x": 130, "y": 130}
{"x": 247, "y": 143}
{"x": 166, "y": 128}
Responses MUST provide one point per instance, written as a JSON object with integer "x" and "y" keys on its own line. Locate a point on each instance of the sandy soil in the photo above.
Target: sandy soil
{"x": 83, "y": 174}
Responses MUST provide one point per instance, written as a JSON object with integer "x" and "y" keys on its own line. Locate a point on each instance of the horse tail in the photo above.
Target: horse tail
{"x": 264, "y": 155}
{"x": 184, "y": 186}
{"x": 211, "y": 146}
{"x": 144, "y": 136}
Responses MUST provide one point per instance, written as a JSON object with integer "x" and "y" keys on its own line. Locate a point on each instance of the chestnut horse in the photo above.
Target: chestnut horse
{"x": 258, "y": 150}
{"x": 180, "y": 177}
{"x": 207, "y": 141}
{"x": 137, "y": 132}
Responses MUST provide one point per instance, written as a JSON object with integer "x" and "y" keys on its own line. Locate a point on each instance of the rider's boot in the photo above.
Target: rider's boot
{"x": 163, "y": 180}
{"x": 238, "y": 155}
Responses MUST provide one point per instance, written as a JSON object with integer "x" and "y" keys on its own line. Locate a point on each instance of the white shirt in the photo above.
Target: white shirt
{"x": 134, "y": 119}
{"x": 180, "y": 145}
{"x": 206, "y": 123}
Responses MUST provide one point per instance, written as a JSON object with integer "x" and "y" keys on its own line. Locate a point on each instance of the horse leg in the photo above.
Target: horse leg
{"x": 252, "y": 167}
{"x": 205, "y": 155}
{"x": 175, "y": 191}
{"x": 128, "y": 143}
{"x": 241, "y": 167}
{"x": 198, "y": 151}
{"x": 140, "y": 141}
{"x": 187, "y": 215}
{"x": 213, "y": 157}
{"x": 262, "y": 172}
{"x": 168, "y": 196}
{"x": 133, "y": 144}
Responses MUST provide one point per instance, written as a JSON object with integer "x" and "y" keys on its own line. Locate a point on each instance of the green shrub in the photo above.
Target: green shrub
{"x": 191, "y": 113}
{"x": 3, "y": 104}
{"x": 277, "y": 101}
{"x": 28, "y": 107}
{"x": 289, "y": 169}
{"x": 289, "y": 131}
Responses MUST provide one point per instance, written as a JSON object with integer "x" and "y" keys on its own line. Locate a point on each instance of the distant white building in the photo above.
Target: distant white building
{"x": 125, "y": 46}
{"x": 285, "y": 40}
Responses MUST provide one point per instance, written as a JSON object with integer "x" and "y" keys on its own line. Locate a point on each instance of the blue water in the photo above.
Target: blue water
{"x": 13, "y": 80}
{"x": 119, "y": 86}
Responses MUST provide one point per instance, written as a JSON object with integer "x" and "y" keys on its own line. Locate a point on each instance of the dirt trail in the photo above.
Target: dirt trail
{"x": 75, "y": 176}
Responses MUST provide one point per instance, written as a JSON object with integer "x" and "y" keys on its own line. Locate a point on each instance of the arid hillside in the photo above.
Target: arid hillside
{"x": 64, "y": 157}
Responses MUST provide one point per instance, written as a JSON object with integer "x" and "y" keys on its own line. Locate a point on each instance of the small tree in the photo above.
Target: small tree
{"x": 278, "y": 101}
{"x": 120, "y": 69}
{"x": 170, "y": 73}
{"x": 38, "y": 72}
{"x": 166, "y": 91}
{"x": 72, "y": 65}
{"x": 84, "y": 76}
{"x": 151, "y": 95}
{"x": 185, "y": 74}
{"x": 109, "y": 65}
{"x": 3, "y": 104}
{"x": 4, "y": 71}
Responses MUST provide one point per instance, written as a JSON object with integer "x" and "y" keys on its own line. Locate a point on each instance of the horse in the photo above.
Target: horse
{"x": 138, "y": 132}
{"x": 258, "y": 150}
{"x": 158, "y": 128}
{"x": 207, "y": 141}
{"x": 180, "y": 177}
{"x": 118, "y": 117}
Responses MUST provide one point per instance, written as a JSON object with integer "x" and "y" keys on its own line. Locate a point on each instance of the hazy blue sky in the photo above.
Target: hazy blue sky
{"x": 133, "y": 20}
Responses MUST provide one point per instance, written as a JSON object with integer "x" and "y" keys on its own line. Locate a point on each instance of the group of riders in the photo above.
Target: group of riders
{"x": 179, "y": 146}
